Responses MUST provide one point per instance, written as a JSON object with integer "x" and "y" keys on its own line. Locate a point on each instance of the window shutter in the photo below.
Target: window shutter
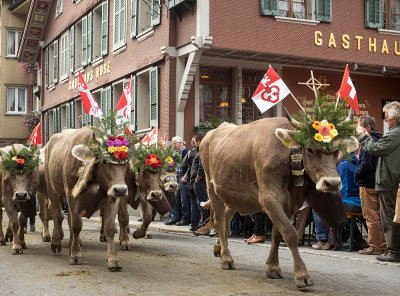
{"x": 269, "y": 7}
{"x": 373, "y": 14}
{"x": 133, "y": 108}
{"x": 73, "y": 49}
{"x": 134, "y": 9}
{"x": 68, "y": 115}
{"x": 89, "y": 37}
{"x": 84, "y": 40}
{"x": 116, "y": 22}
{"x": 323, "y": 10}
{"x": 103, "y": 102}
{"x": 47, "y": 67}
{"x": 83, "y": 116}
{"x": 155, "y": 12}
{"x": 58, "y": 119}
{"x": 122, "y": 26}
{"x": 47, "y": 126}
{"x": 73, "y": 114}
{"x": 55, "y": 76}
{"x": 153, "y": 89}
{"x": 104, "y": 28}
{"x": 108, "y": 100}
{"x": 54, "y": 121}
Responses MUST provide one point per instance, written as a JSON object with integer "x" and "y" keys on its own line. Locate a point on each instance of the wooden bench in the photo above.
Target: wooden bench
{"x": 354, "y": 219}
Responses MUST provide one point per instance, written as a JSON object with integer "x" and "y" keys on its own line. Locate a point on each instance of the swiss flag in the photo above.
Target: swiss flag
{"x": 270, "y": 91}
{"x": 36, "y": 138}
{"x": 347, "y": 90}
{"x": 151, "y": 137}
{"x": 89, "y": 104}
{"x": 124, "y": 104}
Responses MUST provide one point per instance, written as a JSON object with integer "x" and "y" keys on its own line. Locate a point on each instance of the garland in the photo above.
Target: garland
{"x": 327, "y": 124}
{"x": 22, "y": 162}
{"x": 156, "y": 158}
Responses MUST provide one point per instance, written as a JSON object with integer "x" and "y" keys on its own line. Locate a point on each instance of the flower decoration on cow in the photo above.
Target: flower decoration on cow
{"x": 156, "y": 158}
{"x": 327, "y": 127}
{"x": 21, "y": 162}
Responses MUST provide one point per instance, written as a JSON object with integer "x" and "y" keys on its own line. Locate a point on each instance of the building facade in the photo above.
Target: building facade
{"x": 15, "y": 89}
{"x": 192, "y": 61}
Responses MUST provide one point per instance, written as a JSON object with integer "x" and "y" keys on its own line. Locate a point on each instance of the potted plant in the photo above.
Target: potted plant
{"x": 206, "y": 126}
{"x": 31, "y": 120}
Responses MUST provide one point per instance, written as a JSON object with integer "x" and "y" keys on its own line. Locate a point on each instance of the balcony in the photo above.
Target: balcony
{"x": 177, "y": 5}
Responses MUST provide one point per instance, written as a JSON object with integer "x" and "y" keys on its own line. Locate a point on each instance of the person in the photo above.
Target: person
{"x": 387, "y": 177}
{"x": 365, "y": 178}
{"x": 180, "y": 215}
{"x": 259, "y": 229}
{"x": 321, "y": 233}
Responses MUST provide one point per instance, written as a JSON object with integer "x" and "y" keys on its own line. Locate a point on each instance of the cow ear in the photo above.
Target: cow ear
{"x": 351, "y": 144}
{"x": 287, "y": 137}
{"x": 82, "y": 153}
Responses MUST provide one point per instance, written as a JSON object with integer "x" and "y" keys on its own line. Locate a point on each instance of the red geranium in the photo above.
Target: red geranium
{"x": 120, "y": 138}
{"x": 112, "y": 138}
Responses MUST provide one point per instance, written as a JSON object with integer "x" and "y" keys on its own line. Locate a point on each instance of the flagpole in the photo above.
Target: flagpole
{"x": 337, "y": 101}
{"x": 299, "y": 105}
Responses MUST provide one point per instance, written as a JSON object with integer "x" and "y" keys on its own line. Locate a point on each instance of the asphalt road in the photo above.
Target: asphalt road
{"x": 182, "y": 264}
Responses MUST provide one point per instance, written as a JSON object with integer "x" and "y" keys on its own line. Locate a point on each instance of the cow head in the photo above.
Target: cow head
{"x": 149, "y": 183}
{"x": 169, "y": 182}
{"x": 319, "y": 164}
{"x": 111, "y": 176}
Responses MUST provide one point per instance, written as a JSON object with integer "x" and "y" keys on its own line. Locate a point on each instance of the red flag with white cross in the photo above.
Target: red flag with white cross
{"x": 347, "y": 91}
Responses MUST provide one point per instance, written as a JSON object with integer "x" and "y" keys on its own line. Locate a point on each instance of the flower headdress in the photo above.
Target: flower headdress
{"x": 328, "y": 124}
{"x": 156, "y": 158}
{"x": 21, "y": 162}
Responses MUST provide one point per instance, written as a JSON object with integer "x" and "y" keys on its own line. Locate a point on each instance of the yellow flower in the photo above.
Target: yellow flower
{"x": 324, "y": 122}
{"x": 170, "y": 160}
{"x": 318, "y": 137}
{"x": 332, "y": 136}
{"x": 334, "y": 132}
{"x": 14, "y": 158}
{"x": 316, "y": 125}
{"x": 124, "y": 148}
{"x": 111, "y": 149}
{"x": 327, "y": 139}
{"x": 331, "y": 126}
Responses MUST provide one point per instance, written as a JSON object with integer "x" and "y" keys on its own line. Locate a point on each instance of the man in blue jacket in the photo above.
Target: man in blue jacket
{"x": 365, "y": 178}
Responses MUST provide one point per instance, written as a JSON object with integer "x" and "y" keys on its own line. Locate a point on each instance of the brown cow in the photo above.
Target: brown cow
{"x": 100, "y": 182}
{"x": 248, "y": 170}
{"x": 15, "y": 187}
{"x": 44, "y": 203}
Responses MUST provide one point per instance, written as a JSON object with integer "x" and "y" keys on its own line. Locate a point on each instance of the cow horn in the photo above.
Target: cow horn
{"x": 350, "y": 116}
{"x": 292, "y": 121}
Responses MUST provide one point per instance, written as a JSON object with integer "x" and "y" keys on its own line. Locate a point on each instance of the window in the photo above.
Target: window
{"x": 391, "y": 14}
{"x": 215, "y": 93}
{"x": 119, "y": 38}
{"x": 59, "y": 7}
{"x": 70, "y": 114}
{"x": 64, "y": 63}
{"x": 16, "y": 100}
{"x": 144, "y": 15}
{"x": 293, "y": 8}
{"x": 13, "y": 39}
{"x": 100, "y": 31}
{"x": 78, "y": 45}
{"x": 51, "y": 64}
{"x": 145, "y": 100}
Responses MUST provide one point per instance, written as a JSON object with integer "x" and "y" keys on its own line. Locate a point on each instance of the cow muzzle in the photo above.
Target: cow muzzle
{"x": 329, "y": 184}
{"x": 154, "y": 195}
{"x": 21, "y": 196}
{"x": 171, "y": 187}
{"x": 118, "y": 190}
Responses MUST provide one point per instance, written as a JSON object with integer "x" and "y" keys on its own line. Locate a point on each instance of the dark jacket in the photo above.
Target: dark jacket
{"x": 187, "y": 161}
{"x": 366, "y": 166}
{"x": 194, "y": 169}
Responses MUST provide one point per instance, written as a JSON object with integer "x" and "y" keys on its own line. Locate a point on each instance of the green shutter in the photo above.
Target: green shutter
{"x": 108, "y": 100}
{"x": 73, "y": 49}
{"x": 55, "y": 76}
{"x": 116, "y": 22}
{"x": 155, "y": 12}
{"x": 89, "y": 37}
{"x": 58, "y": 119}
{"x": 323, "y": 10}
{"x": 373, "y": 14}
{"x": 133, "y": 107}
{"x": 47, "y": 67}
{"x": 153, "y": 89}
{"x": 84, "y": 40}
{"x": 122, "y": 26}
{"x": 103, "y": 102}
{"x": 73, "y": 114}
{"x": 54, "y": 121}
{"x": 68, "y": 115}
{"x": 47, "y": 126}
{"x": 269, "y": 7}
{"x": 104, "y": 28}
{"x": 134, "y": 9}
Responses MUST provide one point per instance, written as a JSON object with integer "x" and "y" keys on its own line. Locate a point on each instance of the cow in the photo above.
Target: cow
{"x": 248, "y": 169}
{"x": 15, "y": 186}
{"x": 73, "y": 173}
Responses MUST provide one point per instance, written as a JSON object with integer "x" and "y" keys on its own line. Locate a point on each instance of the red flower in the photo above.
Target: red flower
{"x": 159, "y": 163}
{"x": 120, "y": 138}
{"x": 123, "y": 154}
{"x": 324, "y": 130}
{"x": 148, "y": 157}
{"x": 154, "y": 165}
{"x": 153, "y": 156}
{"x": 148, "y": 161}
{"x": 112, "y": 138}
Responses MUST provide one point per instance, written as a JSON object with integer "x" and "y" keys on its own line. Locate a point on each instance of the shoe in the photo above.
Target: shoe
{"x": 321, "y": 246}
{"x": 360, "y": 245}
{"x": 389, "y": 257}
{"x": 250, "y": 238}
{"x": 204, "y": 232}
{"x": 369, "y": 251}
{"x": 192, "y": 229}
{"x": 140, "y": 220}
{"x": 32, "y": 228}
{"x": 170, "y": 222}
{"x": 212, "y": 232}
{"x": 256, "y": 239}
{"x": 181, "y": 223}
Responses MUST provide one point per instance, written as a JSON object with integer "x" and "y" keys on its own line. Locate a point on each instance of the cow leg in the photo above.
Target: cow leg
{"x": 2, "y": 239}
{"x": 44, "y": 216}
{"x": 75, "y": 228}
{"x": 101, "y": 214}
{"x": 14, "y": 222}
{"x": 123, "y": 219}
{"x": 9, "y": 234}
{"x": 147, "y": 215}
{"x": 111, "y": 206}
{"x": 58, "y": 217}
{"x": 21, "y": 234}
{"x": 228, "y": 214}
{"x": 276, "y": 213}
{"x": 273, "y": 269}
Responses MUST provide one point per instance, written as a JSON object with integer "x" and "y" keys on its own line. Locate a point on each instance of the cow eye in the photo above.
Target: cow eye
{"x": 309, "y": 150}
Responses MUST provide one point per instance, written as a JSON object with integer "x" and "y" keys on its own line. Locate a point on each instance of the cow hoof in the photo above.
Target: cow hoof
{"x": 303, "y": 282}
{"x": 17, "y": 252}
{"x": 228, "y": 265}
{"x": 56, "y": 248}
{"x": 127, "y": 247}
{"x": 46, "y": 238}
{"x": 137, "y": 235}
{"x": 103, "y": 238}
{"x": 217, "y": 250}
{"x": 274, "y": 275}
{"x": 114, "y": 266}
{"x": 23, "y": 245}
{"x": 149, "y": 235}
{"x": 75, "y": 261}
